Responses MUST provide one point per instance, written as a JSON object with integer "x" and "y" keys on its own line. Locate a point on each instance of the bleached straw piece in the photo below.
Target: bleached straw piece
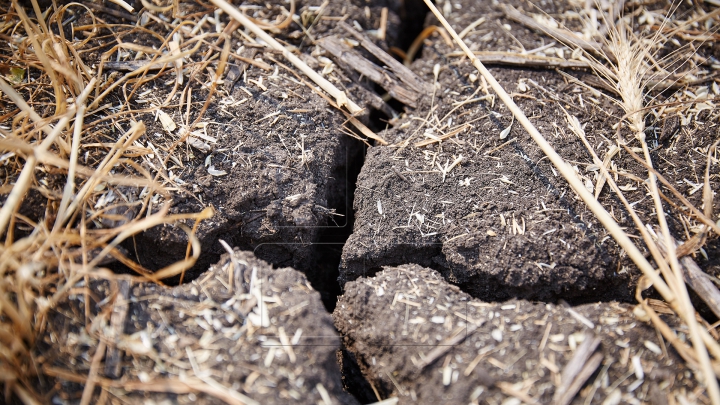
{"x": 124, "y": 5}
{"x": 74, "y": 153}
{"x": 339, "y": 95}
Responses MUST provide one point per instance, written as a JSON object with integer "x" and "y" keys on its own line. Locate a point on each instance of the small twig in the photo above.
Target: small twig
{"x": 578, "y": 370}
{"x": 471, "y": 27}
{"x": 445, "y": 346}
{"x": 117, "y": 327}
{"x": 442, "y": 137}
{"x": 497, "y": 148}
{"x": 92, "y": 375}
{"x": 69, "y": 189}
{"x": 404, "y": 74}
{"x": 235, "y": 266}
{"x": 417, "y": 43}
{"x": 24, "y": 396}
{"x": 400, "y": 175}
{"x": 524, "y": 60}
{"x": 339, "y": 95}
{"x": 383, "y": 24}
{"x": 350, "y": 59}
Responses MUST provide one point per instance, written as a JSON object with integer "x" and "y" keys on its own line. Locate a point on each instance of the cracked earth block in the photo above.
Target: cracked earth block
{"x": 242, "y": 329}
{"x": 438, "y": 345}
{"x": 464, "y": 190}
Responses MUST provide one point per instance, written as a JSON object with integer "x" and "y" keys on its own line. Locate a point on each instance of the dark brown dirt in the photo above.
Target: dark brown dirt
{"x": 288, "y": 186}
{"x": 221, "y": 328}
{"x": 461, "y": 223}
{"x": 518, "y": 346}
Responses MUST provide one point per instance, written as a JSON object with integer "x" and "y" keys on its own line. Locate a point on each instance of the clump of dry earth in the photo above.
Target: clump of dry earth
{"x": 436, "y": 344}
{"x": 241, "y": 333}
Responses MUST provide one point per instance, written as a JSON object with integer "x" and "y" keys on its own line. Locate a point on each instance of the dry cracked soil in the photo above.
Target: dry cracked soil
{"x": 436, "y": 269}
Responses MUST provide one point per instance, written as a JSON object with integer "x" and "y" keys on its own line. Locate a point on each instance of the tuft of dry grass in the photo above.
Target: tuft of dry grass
{"x": 86, "y": 182}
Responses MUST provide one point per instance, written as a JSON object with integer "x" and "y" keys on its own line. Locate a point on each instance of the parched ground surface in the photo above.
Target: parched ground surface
{"x": 436, "y": 344}
{"x": 483, "y": 205}
{"x": 242, "y": 333}
{"x": 460, "y": 212}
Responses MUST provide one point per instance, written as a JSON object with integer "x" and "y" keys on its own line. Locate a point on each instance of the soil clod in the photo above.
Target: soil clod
{"x": 242, "y": 333}
{"x": 437, "y": 344}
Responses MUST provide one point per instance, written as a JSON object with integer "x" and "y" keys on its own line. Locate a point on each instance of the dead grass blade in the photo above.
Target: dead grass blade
{"x": 75, "y": 148}
{"x": 417, "y": 43}
{"x": 679, "y": 299}
{"x": 340, "y": 97}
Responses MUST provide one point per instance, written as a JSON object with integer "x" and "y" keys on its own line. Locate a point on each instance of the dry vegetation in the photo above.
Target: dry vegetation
{"x": 60, "y": 124}
{"x": 626, "y": 63}
{"x": 69, "y": 147}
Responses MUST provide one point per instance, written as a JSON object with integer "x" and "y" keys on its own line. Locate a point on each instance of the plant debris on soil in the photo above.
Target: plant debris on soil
{"x": 438, "y": 345}
{"x": 191, "y": 188}
{"x": 242, "y": 333}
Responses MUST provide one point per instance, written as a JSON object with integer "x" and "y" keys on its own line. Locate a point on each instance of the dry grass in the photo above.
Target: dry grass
{"x": 630, "y": 67}
{"x": 81, "y": 174}
{"x": 71, "y": 156}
